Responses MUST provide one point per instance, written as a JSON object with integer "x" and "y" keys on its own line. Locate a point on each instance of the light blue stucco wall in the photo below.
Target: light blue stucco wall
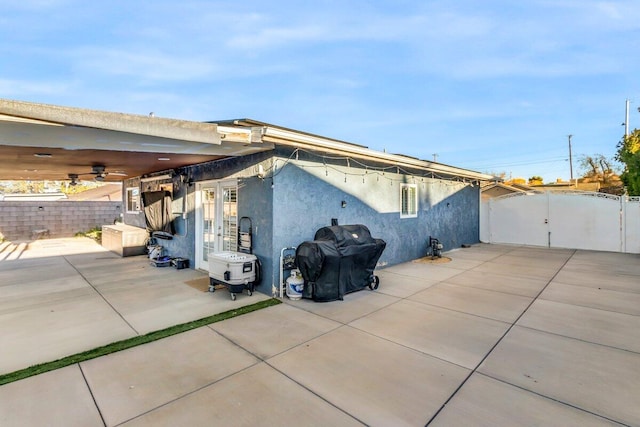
{"x": 298, "y": 196}
{"x": 304, "y": 202}
{"x": 255, "y": 200}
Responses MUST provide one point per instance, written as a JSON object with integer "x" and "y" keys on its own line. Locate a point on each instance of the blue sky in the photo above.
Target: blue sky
{"x": 494, "y": 86}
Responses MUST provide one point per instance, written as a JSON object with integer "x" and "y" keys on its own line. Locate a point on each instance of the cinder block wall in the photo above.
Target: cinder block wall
{"x": 62, "y": 218}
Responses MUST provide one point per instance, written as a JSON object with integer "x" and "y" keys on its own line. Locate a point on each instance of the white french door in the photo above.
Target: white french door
{"x": 216, "y": 219}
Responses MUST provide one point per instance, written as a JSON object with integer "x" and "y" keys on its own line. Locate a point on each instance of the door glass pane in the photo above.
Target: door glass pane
{"x": 230, "y": 219}
{"x": 208, "y": 222}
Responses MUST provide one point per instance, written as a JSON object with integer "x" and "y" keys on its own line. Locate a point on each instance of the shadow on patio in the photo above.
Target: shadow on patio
{"x": 63, "y": 296}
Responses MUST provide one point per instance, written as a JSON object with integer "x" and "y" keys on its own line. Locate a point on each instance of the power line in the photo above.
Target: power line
{"x": 521, "y": 163}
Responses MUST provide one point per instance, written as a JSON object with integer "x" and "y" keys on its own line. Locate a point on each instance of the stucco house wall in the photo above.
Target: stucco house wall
{"x": 307, "y": 197}
{"x": 296, "y": 195}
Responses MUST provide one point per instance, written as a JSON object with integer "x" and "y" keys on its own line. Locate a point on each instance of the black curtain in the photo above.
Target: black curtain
{"x": 157, "y": 211}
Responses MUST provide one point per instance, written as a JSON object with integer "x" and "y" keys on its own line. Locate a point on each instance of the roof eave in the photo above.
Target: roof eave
{"x": 313, "y": 142}
{"x": 121, "y": 122}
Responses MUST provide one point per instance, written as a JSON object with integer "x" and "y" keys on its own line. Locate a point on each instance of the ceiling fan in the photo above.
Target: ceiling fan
{"x": 99, "y": 172}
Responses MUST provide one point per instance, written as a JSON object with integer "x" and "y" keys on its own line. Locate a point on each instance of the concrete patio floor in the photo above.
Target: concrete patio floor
{"x": 63, "y": 296}
{"x": 499, "y": 336}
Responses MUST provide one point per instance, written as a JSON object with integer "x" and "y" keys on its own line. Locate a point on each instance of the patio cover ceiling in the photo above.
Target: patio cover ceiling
{"x": 46, "y": 142}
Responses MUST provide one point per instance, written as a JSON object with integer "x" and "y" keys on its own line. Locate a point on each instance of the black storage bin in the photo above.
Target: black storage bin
{"x": 339, "y": 260}
{"x": 180, "y": 263}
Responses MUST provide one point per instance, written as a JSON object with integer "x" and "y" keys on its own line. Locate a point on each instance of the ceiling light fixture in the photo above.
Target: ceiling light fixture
{"x": 163, "y": 159}
{"x": 43, "y": 155}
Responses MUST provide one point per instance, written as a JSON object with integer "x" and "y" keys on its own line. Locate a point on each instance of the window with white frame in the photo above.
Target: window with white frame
{"x": 133, "y": 200}
{"x": 408, "y": 200}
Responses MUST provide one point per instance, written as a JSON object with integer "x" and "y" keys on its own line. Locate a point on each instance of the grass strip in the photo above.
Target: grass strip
{"x": 132, "y": 342}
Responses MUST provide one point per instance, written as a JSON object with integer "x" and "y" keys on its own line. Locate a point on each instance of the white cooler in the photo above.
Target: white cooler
{"x": 236, "y": 270}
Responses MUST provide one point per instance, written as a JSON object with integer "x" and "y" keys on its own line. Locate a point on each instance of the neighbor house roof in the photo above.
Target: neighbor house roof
{"x": 35, "y": 197}
{"x": 109, "y": 192}
{"x": 498, "y": 189}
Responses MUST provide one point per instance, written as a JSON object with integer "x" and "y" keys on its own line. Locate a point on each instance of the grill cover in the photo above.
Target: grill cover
{"x": 339, "y": 260}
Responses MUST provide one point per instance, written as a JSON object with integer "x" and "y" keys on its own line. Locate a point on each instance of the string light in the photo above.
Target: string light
{"x": 379, "y": 171}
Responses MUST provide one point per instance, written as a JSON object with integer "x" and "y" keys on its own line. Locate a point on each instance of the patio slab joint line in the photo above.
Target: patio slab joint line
{"x": 342, "y": 323}
{"x": 462, "y": 312}
{"x": 189, "y": 393}
{"x": 101, "y": 296}
{"x": 499, "y": 341}
{"x": 261, "y": 360}
{"x": 579, "y": 339}
{"x": 316, "y": 394}
{"x": 257, "y": 356}
{"x": 592, "y": 307}
{"x": 555, "y": 400}
{"x": 84, "y": 377}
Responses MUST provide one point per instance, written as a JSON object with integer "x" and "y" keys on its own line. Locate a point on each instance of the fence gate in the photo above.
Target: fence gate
{"x": 578, "y": 220}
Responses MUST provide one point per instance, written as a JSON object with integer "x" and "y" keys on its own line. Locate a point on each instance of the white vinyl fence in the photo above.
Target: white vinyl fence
{"x": 577, "y": 220}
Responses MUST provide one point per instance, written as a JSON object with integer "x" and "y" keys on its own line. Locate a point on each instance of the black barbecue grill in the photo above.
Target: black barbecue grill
{"x": 339, "y": 260}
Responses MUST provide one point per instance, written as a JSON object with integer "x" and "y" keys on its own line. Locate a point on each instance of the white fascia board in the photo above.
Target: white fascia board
{"x": 288, "y": 137}
{"x": 235, "y": 134}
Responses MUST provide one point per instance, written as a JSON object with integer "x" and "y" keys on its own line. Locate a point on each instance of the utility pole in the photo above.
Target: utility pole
{"x": 626, "y": 118}
{"x": 435, "y": 157}
{"x": 570, "y": 159}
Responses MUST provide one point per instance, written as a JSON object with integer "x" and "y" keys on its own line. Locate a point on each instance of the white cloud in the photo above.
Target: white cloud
{"x": 271, "y": 33}
{"x": 547, "y": 39}
{"x": 611, "y": 10}
{"x": 20, "y": 88}
{"x": 142, "y": 64}
{"x": 35, "y": 5}
{"x": 274, "y": 37}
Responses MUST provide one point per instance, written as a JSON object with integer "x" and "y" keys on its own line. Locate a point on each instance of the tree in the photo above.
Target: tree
{"x": 38, "y": 187}
{"x": 629, "y": 154}
{"x": 535, "y": 180}
{"x": 67, "y": 188}
{"x": 598, "y": 168}
{"x": 23, "y": 187}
